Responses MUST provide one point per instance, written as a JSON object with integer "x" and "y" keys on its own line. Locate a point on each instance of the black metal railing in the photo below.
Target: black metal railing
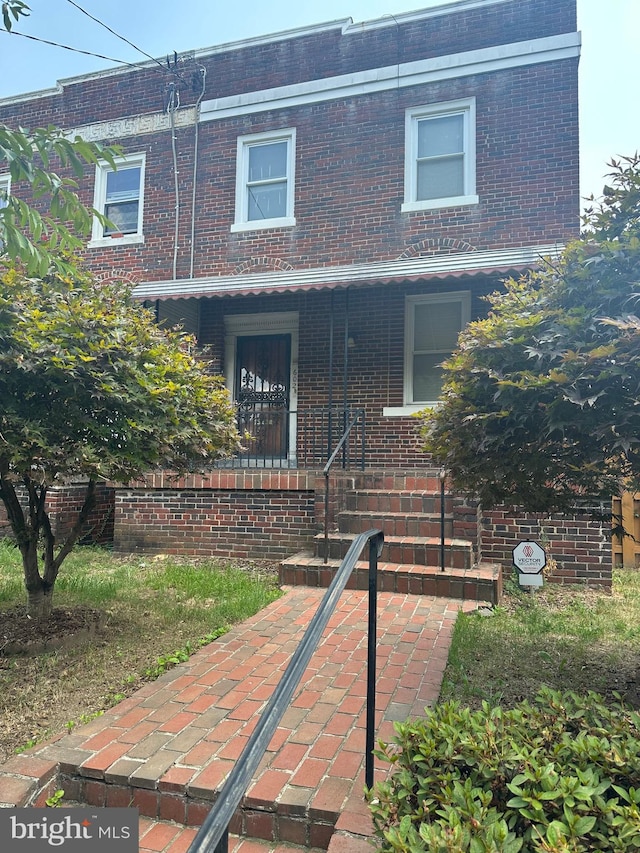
{"x": 212, "y": 837}
{"x": 277, "y": 437}
{"x": 341, "y": 450}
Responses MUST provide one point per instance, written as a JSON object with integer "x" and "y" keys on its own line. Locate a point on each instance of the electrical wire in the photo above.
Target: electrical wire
{"x": 203, "y": 72}
{"x": 161, "y": 66}
{"x": 117, "y": 35}
{"x": 172, "y": 106}
{"x": 73, "y": 49}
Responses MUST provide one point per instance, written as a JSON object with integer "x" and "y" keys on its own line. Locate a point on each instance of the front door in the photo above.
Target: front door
{"x": 262, "y": 392}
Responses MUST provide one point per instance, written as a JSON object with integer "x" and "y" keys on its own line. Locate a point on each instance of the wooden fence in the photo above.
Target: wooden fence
{"x": 626, "y": 549}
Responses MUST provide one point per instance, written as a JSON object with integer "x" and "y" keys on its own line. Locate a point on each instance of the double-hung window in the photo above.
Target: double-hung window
{"x": 265, "y": 181}
{"x": 440, "y": 158}
{"x": 5, "y": 186}
{"x": 432, "y": 325}
{"x": 119, "y": 195}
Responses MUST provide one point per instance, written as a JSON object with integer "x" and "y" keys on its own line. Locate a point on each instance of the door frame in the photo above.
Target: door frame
{"x": 270, "y": 323}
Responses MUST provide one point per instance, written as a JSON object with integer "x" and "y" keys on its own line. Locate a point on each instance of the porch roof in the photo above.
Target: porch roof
{"x": 455, "y": 265}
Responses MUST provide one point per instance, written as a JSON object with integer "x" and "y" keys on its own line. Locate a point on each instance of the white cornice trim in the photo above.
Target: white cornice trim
{"x": 431, "y": 266}
{"x": 420, "y": 72}
{"x": 134, "y": 125}
{"x": 346, "y": 25}
{"x": 422, "y": 14}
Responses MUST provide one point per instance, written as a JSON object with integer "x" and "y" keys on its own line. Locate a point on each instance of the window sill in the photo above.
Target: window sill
{"x": 261, "y": 224}
{"x": 405, "y": 411}
{"x": 124, "y": 240}
{"x": 437, "y": 203}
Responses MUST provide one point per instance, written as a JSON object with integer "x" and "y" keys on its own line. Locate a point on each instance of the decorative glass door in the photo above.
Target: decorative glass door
{"x": 262, "y": 390}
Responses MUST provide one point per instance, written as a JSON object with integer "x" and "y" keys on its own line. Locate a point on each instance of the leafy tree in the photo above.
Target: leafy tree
{"x": 541, "y": 400}
{"x": 40, "y": 236}
{"x": 36, "y": 233}
{"x": 90, "y": 387}
{"x": 12, "y": 10}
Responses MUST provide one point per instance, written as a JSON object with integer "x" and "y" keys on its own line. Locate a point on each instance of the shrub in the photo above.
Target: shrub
{"x": 560, "y": 775}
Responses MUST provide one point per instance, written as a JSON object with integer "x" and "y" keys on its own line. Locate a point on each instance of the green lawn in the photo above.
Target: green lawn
{"x": 156, "y": 611}
{"x": 567, "y": 637}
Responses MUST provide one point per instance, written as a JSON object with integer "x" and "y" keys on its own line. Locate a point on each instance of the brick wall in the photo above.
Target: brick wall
{"x": 580, "y": 545}
{"x": 375, "y": 364}
{"x": 350, "y": 152}
{"x": 64, "y": 504}
{"x": 257, "y": 515}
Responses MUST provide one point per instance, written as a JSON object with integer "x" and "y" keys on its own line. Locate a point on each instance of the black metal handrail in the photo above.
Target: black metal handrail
{"x": 213, "y": 834}
{"x": 343, "y": 442}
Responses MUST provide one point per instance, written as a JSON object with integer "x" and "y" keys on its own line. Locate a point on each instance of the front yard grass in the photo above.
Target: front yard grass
{"x": 156, "y": 611}
{"x": 568, "y": 638}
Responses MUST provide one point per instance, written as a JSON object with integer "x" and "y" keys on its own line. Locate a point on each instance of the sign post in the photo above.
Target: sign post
{"x": 529, "y": 558}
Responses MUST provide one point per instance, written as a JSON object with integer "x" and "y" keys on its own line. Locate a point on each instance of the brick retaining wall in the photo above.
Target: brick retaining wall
{"x": 240, "y": 514}
{"x": 580, "y": 544}
{"x": 64, "y": 504}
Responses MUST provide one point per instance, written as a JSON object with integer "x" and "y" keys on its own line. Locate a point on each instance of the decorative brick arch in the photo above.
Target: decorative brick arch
{"x": 262, "y": 265}
{"x": 115, "y": 276}
{"x": 436, "y": 246}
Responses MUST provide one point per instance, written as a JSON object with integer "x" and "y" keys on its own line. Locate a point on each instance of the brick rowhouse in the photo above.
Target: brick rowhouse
{"x": 358, "y": 187}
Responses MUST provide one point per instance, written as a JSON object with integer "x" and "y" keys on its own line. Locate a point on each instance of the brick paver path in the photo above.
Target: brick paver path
{"x": 168, "y": 748}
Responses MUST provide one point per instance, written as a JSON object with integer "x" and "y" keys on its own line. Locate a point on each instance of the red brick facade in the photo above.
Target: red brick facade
{"x": 63, "y": 505}
{"x": 259, "y": 515}
{"x": 579, "y": 546}
{"x": 349, "y": 150}
{"x": 354, "y": 250}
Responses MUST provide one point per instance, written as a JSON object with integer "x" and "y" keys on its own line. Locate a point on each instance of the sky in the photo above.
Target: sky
{"x": 609, "y": 65}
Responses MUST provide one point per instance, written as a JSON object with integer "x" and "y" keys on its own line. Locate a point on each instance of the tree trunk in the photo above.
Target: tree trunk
{"x": 32, "y": 529}
{"x": 39, "y": 604}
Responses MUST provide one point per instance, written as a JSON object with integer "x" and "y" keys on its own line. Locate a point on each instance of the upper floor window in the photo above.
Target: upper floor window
{"x": 265, "y": 180}
{"x": 432, "y": 326}
{"x": 119, "y": 195}
{"x": 440, "y": 156}
{"x": 5, "y": 186}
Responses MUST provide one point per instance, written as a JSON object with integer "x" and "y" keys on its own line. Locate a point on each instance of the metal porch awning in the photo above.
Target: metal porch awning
{"x": 443, "y": 266}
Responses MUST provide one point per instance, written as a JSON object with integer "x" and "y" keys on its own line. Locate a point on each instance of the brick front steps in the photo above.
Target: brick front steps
{"x": 480, "y": 584}
{"x": 430, "y": 539}
{"x": 163, "y": 837}
{"x": 167, "y": 749}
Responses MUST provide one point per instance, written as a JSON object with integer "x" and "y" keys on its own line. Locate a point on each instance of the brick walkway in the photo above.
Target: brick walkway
{"x": 167, "y": 749}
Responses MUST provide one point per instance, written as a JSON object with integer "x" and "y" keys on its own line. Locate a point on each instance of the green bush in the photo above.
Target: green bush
{"x": 560, "y": 774}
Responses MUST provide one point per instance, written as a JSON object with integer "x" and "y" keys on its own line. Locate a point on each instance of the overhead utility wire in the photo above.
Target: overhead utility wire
{"x": 117, "y": 35}
{"x": 74, "y": 49}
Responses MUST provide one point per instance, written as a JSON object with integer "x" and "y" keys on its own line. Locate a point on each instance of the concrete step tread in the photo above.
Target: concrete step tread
{"x": 481, "y": 570}
{"x": 384, "y": 513}
{"x": 400, "y": 540}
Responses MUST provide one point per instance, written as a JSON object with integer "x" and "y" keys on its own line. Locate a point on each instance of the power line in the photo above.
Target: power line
{"x": 73, "y": 49}
{"x": 173, "y": 71}
{"x": 117, "y": 35}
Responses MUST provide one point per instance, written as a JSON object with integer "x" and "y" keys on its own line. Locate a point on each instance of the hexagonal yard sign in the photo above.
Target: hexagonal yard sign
{"x": 529, "y": 558}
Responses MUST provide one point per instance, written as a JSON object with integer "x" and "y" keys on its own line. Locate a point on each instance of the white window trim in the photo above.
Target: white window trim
{"x": 466, "y": 107}
{"x": 410, "y": 407}
{"x": 99, "y": 200}
{"x": 241, "y": 223}
{"x": 5, "y": 183}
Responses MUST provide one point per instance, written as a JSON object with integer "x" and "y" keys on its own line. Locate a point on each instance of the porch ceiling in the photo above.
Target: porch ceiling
{"x": 458, "y": 265}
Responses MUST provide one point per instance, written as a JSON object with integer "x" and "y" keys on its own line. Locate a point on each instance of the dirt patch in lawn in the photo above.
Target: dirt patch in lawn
{"x": 66, "y": 626}
{"x": 86, "y": 659}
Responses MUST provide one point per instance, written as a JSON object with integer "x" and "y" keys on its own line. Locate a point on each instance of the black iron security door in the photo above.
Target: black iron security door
{"x": 262, "y": 389}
